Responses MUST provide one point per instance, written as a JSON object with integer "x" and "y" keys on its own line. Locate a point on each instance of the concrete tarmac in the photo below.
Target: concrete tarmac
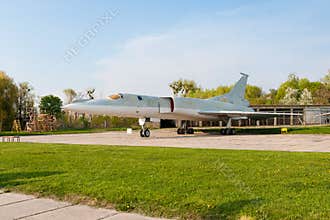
{"x": 169, "y": 138}
{"x": 19, "y": 206}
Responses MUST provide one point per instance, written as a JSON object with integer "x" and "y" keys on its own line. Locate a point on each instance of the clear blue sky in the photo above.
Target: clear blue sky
{"x": 150, "y": 43}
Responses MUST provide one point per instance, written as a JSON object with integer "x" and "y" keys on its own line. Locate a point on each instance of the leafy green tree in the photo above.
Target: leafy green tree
{"x": 326, "y": 79}
{"x": 255, "y": 95}
{"x": 176, "y": 87}
{"x": 208, "y": 93}
{"x": 292, "y": 82}
{"x": 253, "y": 92}
{"x": 293, "y": 91}
{"x": 51, "y": 105}
{"x": 8, "y": 97}
{"x": 306, "y": 97}
{"x": 303, "y": 87}
{"x": 291, "y": 97}
{"x": 322, "y": 95}
{"x": 183, "y": 87}
{"x": 271, "y": 97}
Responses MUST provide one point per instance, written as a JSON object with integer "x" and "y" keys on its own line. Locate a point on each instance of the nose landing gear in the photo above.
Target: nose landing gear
{"x": 144, "y": 132}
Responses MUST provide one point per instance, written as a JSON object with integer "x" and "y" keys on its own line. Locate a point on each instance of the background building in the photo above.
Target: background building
{"x": 311, "y": 115}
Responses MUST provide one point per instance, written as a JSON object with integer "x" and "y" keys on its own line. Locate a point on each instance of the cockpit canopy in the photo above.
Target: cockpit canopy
{"x": 116, "y": 96}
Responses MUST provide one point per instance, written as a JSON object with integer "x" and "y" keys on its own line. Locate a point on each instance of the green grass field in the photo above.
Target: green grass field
{"x": 170, "y": 182}
{"x": 310, "y": 130}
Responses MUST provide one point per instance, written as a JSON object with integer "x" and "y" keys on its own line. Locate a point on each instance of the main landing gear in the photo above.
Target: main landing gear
{"x": 184, "y": 129}
{"x": 144, "y": 132}
{"x": 228, "y": 130}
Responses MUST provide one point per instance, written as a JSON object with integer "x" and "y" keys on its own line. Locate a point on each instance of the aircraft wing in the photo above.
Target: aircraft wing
{"x": 243, "y": 114}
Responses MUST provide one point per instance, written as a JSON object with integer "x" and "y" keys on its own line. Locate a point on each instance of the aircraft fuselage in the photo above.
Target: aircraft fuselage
{"x": 140, "y": 106}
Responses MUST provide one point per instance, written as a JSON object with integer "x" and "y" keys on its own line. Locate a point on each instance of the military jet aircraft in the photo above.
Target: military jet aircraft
{"x": 227, "y": 107}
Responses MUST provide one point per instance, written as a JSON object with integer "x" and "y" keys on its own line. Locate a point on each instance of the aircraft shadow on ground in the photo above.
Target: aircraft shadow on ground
{"x": 229, "y": 210}
{"x": 20, "y": 178}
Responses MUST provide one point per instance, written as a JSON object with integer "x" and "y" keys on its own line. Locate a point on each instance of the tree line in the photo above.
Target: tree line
{"x": 294, "y": 91}
{"x": 18, "y": 101}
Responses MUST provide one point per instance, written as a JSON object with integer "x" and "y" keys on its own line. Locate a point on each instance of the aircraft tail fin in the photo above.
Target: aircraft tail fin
{"x": 236, "y": 95}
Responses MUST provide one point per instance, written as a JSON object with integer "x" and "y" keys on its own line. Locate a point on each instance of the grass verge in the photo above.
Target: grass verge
{"x": 170, "y": 182}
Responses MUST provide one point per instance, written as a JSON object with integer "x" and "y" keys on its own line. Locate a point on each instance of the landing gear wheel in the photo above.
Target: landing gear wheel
{"x": 190, "y": 131}
{"x": 181, "y": 131}
{"x": 228, "y": 131}
{"x": 223, "y": 131}
{"x": 146, "y": 133}
{"x": 141, "y": 133}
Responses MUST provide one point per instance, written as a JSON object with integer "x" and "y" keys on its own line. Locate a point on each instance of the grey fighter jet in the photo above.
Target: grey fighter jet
{"x": 227, "y": 107}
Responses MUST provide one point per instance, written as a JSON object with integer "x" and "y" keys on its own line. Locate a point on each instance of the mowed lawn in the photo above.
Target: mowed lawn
{"x": 170, "y": 182}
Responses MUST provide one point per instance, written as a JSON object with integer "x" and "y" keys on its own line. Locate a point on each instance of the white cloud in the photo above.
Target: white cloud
{"x": 211, "y": 53}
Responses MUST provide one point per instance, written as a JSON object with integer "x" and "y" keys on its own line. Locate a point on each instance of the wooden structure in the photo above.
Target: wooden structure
{"x": 41, "y": 122}
{"x": 16, "y": 126}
